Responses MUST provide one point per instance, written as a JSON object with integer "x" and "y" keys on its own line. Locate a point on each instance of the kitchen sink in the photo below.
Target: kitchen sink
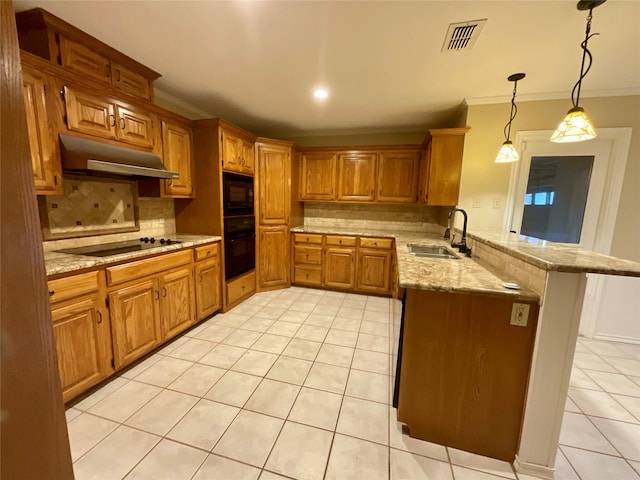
{"x": 431, "y": 251}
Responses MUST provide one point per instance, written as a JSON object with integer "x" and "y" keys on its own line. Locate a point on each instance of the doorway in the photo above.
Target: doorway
{"x": 571, "y": 171}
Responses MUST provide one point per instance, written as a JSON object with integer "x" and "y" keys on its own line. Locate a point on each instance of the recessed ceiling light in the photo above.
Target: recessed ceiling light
{"x": 320, "y": 93}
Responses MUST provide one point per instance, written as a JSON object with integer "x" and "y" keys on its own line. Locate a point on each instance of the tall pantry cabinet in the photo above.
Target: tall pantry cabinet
{"x": 276, "y": 178}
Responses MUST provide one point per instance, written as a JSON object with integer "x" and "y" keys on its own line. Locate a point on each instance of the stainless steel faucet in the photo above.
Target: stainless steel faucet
{"x": 462, "y": 245}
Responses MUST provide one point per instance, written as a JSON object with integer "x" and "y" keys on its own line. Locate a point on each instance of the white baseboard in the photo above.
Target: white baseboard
{"x": 534, "y": 470}
{"x": 617, "y": 338}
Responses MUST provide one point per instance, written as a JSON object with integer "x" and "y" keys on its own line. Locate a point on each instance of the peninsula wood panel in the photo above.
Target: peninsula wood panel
{"x": 273, "y": 185}
{"x": 135, "y": 321}
{"x": 339, "y": 267}
{"x": 374, "y": 271}
{"x": 274, "y": 257}
{"x": 356, "y": 177}
{"x": 177, "y": 306}
{"x": 83, "y": 344}
{"x": 318, "y": 176}
{"x": 398, "y": 177}
{"x": 177, "y": 157}
{"x": 464, "y": 371}
{"x": 45, "y": 153}
{"x": 208, "y": 287}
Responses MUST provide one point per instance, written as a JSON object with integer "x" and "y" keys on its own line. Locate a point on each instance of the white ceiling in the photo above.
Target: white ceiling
{"x": 257, "y": 63}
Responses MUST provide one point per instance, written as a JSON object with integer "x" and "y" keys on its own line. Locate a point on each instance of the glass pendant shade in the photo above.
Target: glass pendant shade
{"x": 575, "y": 127}
{"x": 507, "y": 153}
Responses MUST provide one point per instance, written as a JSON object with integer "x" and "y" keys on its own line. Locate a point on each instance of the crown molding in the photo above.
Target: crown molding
{"x": 537, "y": 97}
{"x": 168, "y": 101}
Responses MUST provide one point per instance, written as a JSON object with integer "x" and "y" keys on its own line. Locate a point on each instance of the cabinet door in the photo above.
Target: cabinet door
{"x": 135, "y": 321}
{"x": 423, "y": 177}
{"x": 248, "y": 158}
{"x": 130, "y": 82}
{"x": 176, "y": 145}
{"x": 339, "y": 267}
{"x": 318, "y": 176}
{"x": 82, "y": 339}
{"x": 445, "y": 168}
{"x": 135, "y": 127}
{"x": 274, "y": 256}
{"x": 273, "y": 184}
{"x": 208, "y": 287}
{"x": 177, "y": 308}
{"x": 84, "y": 60}
{"x": 45, "y": 155}
{"x": 398, "y": 177}
{"x": 356, "y": 176}
{"x": 231, "y": 153}
{"x": 90, "y": 114}
{"x": 374, "y": 271}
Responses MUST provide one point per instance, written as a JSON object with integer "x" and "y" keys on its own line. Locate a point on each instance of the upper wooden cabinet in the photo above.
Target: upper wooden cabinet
{"x": 177, "y": 156}
{"x": 318, "y": 176}
{"x": 356, "y": 176}
{"x": 442, "y": 166}
{"x": 101, "y": 116}
{"x": 45, "y": 153}
{"x": 64, "y": 45}
{"x": 238, "y": 155}
{"x": 274, "y": 163}
{"x": 398, "y": 176}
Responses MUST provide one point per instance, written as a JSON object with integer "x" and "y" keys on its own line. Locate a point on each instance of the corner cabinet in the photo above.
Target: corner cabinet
{"x": 273, "y": 267}
{"x": 45, "y": 153}
{"x": 177, "y": 145}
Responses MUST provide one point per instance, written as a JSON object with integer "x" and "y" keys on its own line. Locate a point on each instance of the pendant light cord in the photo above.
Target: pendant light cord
{"x": 514, "y": 112}
{"x": 586, "y": 54}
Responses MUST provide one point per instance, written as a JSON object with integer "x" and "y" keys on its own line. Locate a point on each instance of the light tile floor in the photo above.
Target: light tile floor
{"x": 296, "y": 384}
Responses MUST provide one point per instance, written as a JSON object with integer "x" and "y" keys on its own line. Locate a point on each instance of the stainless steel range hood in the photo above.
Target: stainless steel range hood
{"x": 81, "y": 154}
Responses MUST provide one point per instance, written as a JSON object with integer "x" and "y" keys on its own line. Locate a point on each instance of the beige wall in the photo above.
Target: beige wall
{"x": 489, "y": 182}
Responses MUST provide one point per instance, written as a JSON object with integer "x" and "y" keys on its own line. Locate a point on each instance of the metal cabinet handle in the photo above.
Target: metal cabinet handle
{"x": 200, "y": 278}
{"x": 117, "y": 74}
{"x": 107, "y": 69}
{"x": 99, "y": 316}
{"x": 157, "y": 295}
{"x": 52, "y": 293}
{"x": 122, "y": 123}
{"x": 164, "y": 291}
{"x": 113, "y": 120}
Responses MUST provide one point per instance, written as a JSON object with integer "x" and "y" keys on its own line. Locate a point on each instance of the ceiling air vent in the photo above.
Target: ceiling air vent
{"x": 463, "y": 35}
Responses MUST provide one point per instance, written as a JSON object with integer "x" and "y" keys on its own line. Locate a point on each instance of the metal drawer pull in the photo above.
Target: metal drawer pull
{"x": 164, "y": 291}
{"x": 200, "y": 277}
{"x": 52, "y": 293}
{"x": 99, "y": 316}
{"x": 157, "y": 295}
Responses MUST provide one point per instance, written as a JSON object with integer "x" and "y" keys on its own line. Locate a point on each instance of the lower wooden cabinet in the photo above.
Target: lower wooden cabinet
{"x": 240, "y": 288}
{"x": 273, "y": 256}
{"x": 177, "y": 302}
{"x": 374, "y": 271}
{"x": 83, "y": 344}
{"x": 339, "y": 267}
{"x": 135, "y": 320}
{"x": 208, "y": 292}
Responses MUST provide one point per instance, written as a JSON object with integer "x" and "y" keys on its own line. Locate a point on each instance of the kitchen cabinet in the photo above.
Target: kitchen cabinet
{"x": 81, "y": 332}
{"x": 237, "y": 154}
{"x": 307, "y": 259}
{"x": 441, "y": 167}
{"x": 273, "y": 267}
{"x": 45, "y": 153}
{"x": 103, "y": 117}
{"x": 374, "y": 265}
{"x": 177, "y": 302}
{"x": 208, "y": 293}
{"x": 177, "y": 146}
{"x": 240, "y": 288}
{"x": 274, "y": 178}
{"x": 464, "y": 370}
{"x": 398, "y": 176}
{"x": 356, "y": 177}
{"x": 318, "y": 176}
{"x": 339, "y": 267}
{"x": 65, "y": 46}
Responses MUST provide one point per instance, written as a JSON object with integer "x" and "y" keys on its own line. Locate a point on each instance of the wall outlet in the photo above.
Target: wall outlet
{"x": 520, "y": 314}
{"x": 476, "y": 202}
{"x": 495, "y": 203}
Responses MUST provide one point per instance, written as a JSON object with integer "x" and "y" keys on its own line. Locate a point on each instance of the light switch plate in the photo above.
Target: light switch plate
{"x": 520, "y": 314}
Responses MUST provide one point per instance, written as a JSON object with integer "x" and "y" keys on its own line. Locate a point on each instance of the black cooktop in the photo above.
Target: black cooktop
{"x": 115, "y": 248}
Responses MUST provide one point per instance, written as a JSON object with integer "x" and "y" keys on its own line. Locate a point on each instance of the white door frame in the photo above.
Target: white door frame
{"x": 602, "y": 201}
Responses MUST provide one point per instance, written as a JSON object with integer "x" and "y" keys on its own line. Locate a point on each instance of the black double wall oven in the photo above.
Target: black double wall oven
{"x": 239, "y": 225}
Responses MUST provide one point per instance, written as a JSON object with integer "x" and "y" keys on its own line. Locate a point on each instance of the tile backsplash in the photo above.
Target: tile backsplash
{"x": 381, "y": 216}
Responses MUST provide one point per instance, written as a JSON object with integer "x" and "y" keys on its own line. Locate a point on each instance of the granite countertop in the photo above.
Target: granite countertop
{"x": 57, "y": 263}
{"x": 462, "y": 275}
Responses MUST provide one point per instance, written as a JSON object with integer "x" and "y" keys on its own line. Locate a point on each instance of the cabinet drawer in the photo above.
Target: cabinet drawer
{"x": 241, "y": 287}
{"x": 307, "y": 238}
{"x": 73, "y": 286}
{"x": 376, "y": 243}
{"x": 149, "y": 266}
{"x": 307, "y": 275}
{"x": 207, "y": 251}
{"x": 341, "y": 240}
{"x": 308, "y": 255}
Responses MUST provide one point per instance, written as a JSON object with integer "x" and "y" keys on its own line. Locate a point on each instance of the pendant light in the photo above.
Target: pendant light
{"x": 576, "y": 126}
{"x": 507, "y": 152}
